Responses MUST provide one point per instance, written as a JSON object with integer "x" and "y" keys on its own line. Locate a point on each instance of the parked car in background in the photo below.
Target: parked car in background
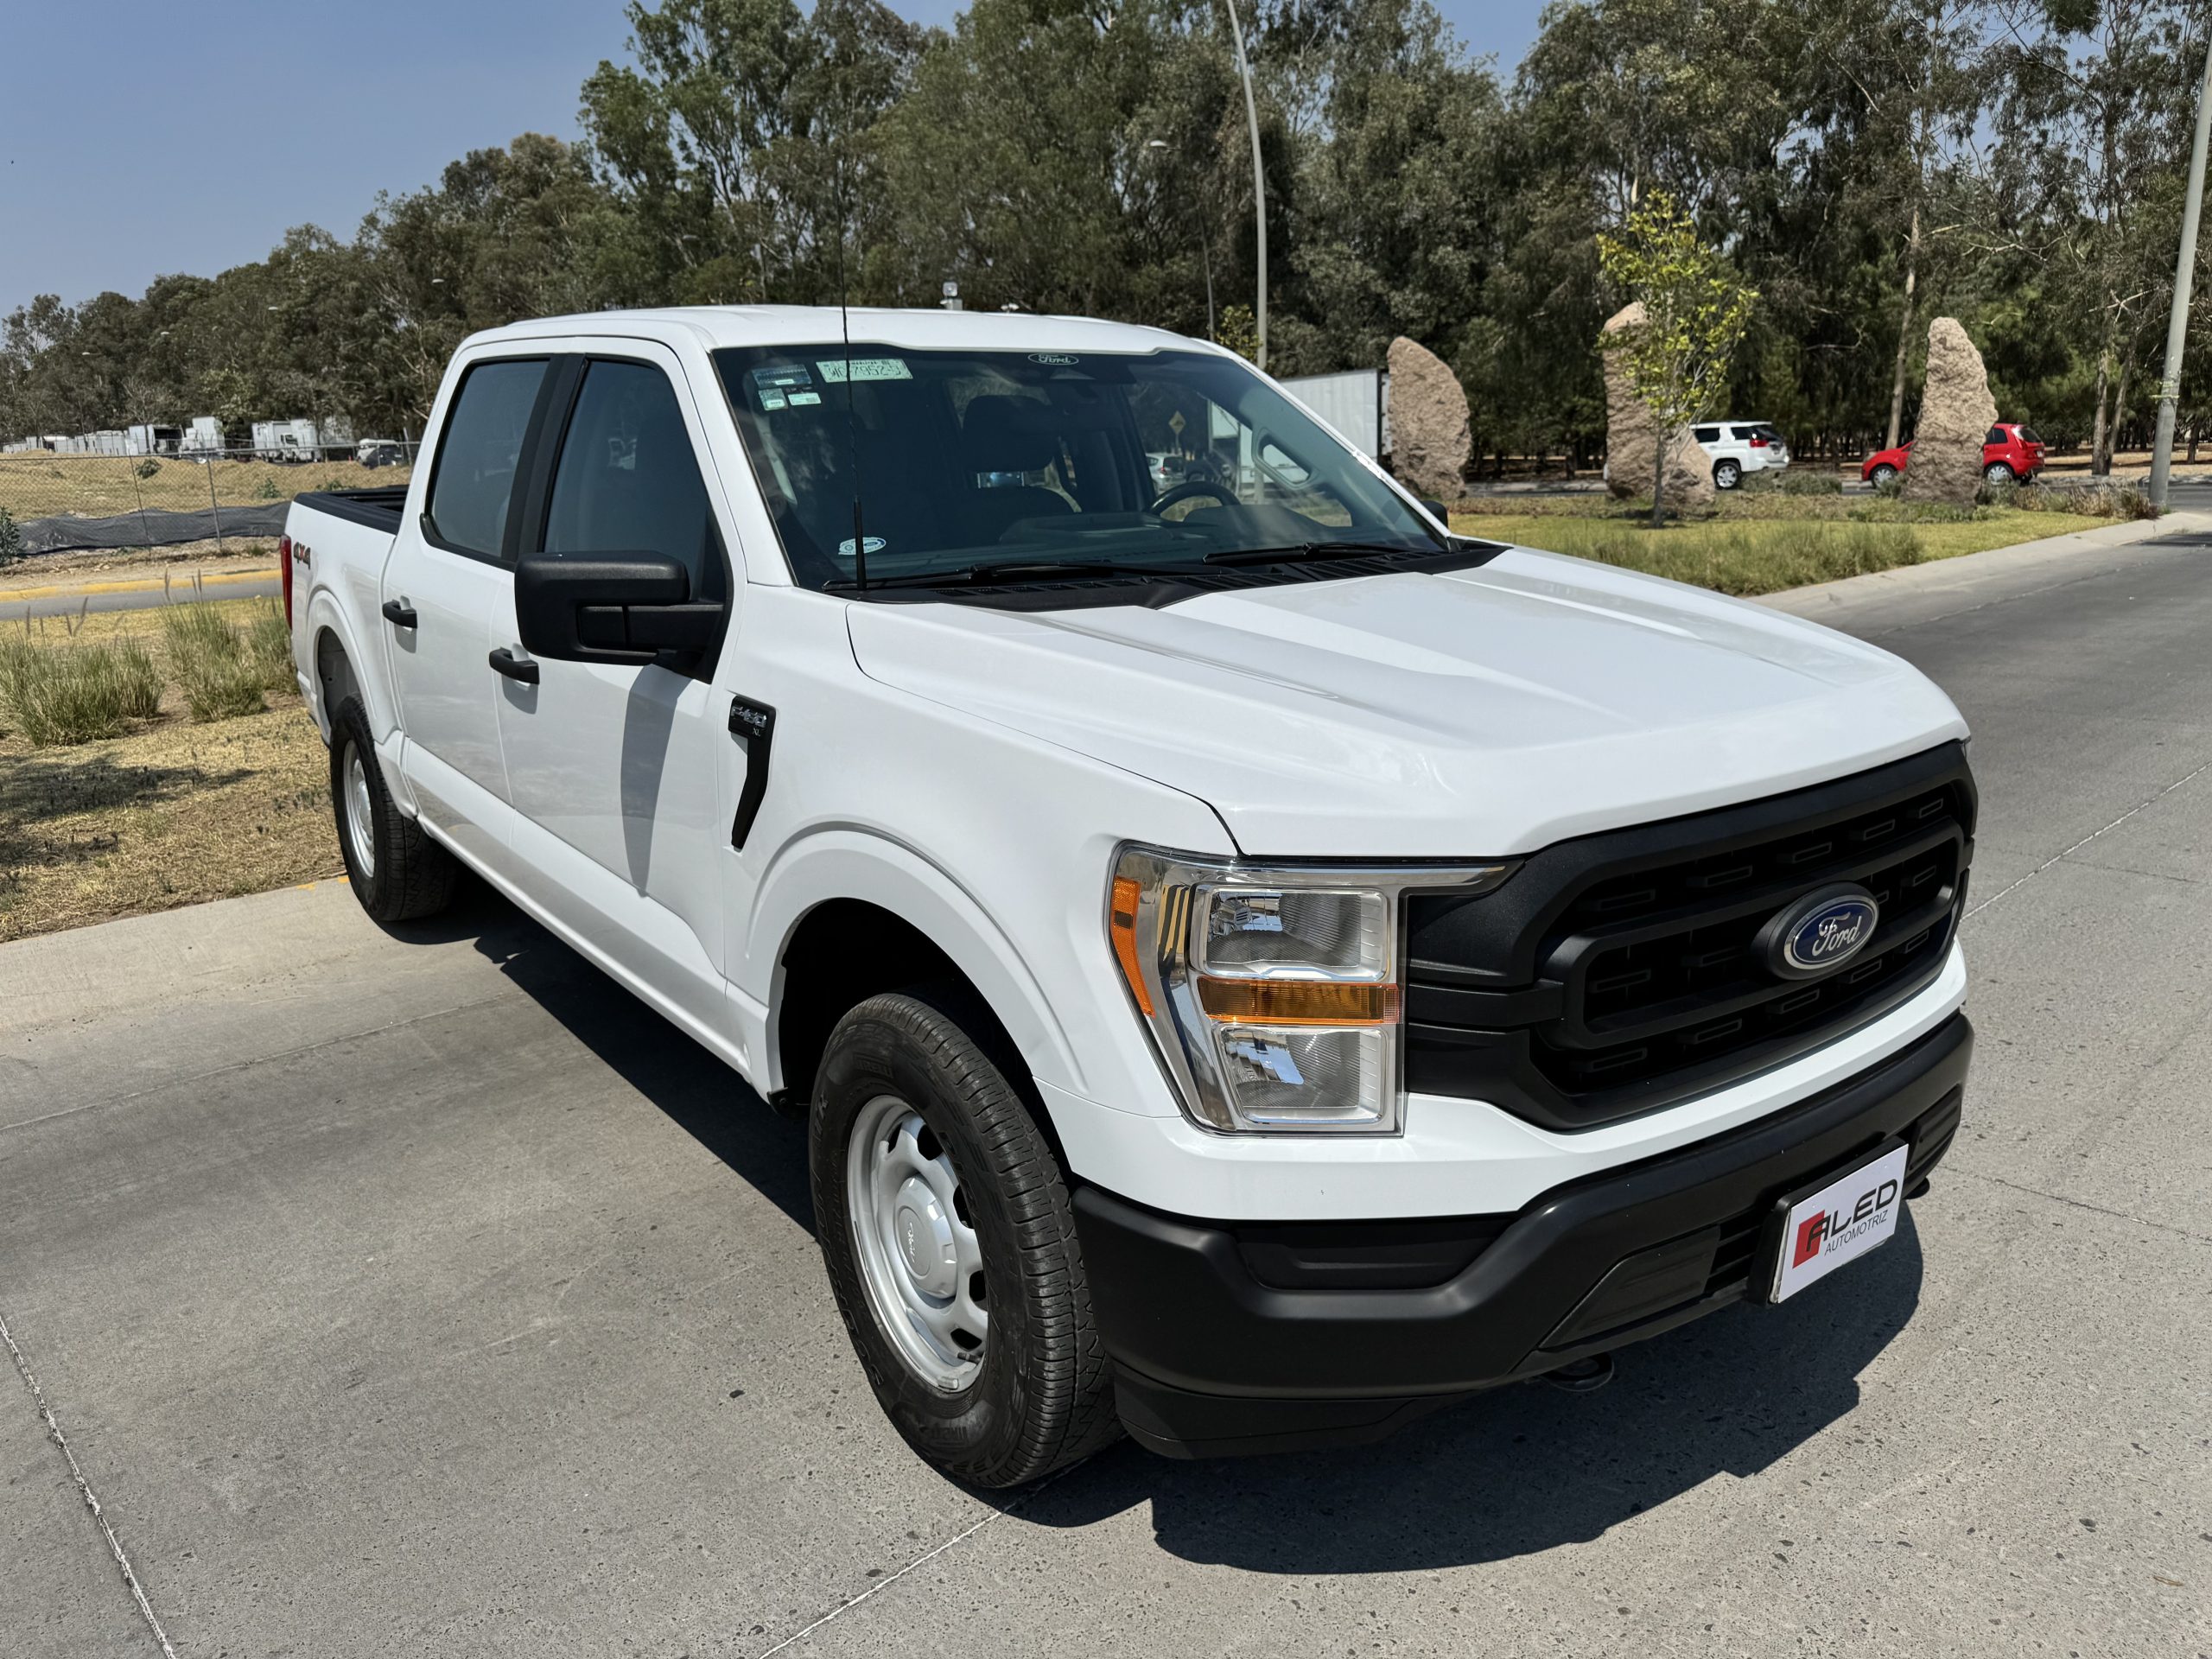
{"x": 1741, "y": 447}
{"x": 2011, "y": 453}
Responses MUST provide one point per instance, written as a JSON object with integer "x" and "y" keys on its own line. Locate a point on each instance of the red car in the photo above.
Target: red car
{"x": 2010, "y": 455}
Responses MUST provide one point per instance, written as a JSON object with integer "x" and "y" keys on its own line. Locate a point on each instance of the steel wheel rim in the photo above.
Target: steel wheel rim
{"x": 920, "y": 1261}
{"x": 360, "y": 822}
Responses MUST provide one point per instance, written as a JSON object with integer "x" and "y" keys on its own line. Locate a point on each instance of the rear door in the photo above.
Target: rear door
{"x": 621, "y": 775}
{"x": 446, "y": 591}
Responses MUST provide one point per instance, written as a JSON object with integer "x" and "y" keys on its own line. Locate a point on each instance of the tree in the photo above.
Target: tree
{"x": 1695, "y": 312}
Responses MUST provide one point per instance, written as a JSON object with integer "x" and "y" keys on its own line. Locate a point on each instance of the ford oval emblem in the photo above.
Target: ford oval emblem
{"x": 1820, "y": 931}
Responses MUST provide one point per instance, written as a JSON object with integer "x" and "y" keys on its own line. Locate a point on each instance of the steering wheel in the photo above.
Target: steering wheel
{"x": 1191, "y": 489}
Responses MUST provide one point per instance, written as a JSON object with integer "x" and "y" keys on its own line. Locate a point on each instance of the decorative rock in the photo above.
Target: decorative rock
{"x": 1956, "y": 412}
{"x": 1429, "y": 440}
{"x": 1629, "y": 435}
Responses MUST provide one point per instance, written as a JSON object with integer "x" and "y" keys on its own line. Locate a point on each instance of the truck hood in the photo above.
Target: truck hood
{"x": 1482, "y": 712}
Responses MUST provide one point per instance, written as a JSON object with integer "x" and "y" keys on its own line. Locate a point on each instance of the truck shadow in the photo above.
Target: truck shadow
{"x": 1509, "y": 1474}
{"x": 1527, "y": 1468}
{"x": 696, "y": 1092}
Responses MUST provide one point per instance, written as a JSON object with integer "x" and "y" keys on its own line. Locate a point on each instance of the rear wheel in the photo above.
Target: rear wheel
{"x": 1998, "y": 473}
{"x": 1727, "y": 474}
{"x": 951, "y": 1245}
{"x": 1881, "y": 475}
{"x": 397, "y": 871}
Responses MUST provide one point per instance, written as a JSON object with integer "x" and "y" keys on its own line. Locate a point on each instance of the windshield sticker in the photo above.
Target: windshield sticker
{"x": 785, "y": 383}
{"x": 864, "y": 369}
{"x": 875, "y": 544}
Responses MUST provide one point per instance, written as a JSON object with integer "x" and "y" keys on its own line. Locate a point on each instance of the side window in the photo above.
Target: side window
{"x": 473, "y": 478}
{"x": 1706, "y": 434}
{"x": 627, "y": 481}
{"x": 1996, "y": 436}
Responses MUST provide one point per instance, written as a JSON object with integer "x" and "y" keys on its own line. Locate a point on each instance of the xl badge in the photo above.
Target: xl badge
{"x": 1820, "y": 931}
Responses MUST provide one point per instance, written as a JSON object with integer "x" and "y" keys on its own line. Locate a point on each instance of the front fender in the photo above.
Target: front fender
{"x": 856, "y": 864}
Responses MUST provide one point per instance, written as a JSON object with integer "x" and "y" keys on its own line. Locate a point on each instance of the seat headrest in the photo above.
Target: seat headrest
{"x": 1006, "y": 434}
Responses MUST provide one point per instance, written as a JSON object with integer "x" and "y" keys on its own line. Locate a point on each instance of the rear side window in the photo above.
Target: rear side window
{"x": 474, "y": 478}
{"x": 1996, "y": 436}
{"x": 628, "y": 480}
{"x": 1706, "y": 434}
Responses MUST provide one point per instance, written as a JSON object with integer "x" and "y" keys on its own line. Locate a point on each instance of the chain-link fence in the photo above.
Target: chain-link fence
{"x": 226, "y": 498}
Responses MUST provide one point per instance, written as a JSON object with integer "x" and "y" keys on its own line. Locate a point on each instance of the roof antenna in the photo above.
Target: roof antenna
{"x": 852, "y": 439}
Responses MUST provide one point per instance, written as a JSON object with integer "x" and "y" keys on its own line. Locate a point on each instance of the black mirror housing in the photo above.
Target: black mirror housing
{"x": 1435, "y": 509}
{"x": 610, "y": 608}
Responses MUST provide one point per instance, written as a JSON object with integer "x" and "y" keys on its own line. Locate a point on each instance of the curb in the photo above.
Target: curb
{"x": 71, "y": 589}
{"x": 2021, "y": 565}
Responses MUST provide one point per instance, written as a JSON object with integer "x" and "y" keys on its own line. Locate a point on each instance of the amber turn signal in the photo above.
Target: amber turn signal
{"x": 1298, "y": 1002}
{"x": 1121, "y": 918}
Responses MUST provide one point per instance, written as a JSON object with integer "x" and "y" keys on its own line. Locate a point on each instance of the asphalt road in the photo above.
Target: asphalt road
{"x": 421, "y": 1293}
{"x": 134, "y": 596}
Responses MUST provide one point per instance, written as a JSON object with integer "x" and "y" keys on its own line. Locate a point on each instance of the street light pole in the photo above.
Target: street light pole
{"x": 1259, "y": 182}
{"x": 2162, "y": 449}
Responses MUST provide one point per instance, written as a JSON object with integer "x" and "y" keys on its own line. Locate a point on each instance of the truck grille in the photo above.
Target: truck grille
{"x": 1622, "y": 977}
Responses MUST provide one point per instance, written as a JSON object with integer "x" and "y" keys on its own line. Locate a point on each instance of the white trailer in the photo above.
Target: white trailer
{"x": 1356, "y": 401}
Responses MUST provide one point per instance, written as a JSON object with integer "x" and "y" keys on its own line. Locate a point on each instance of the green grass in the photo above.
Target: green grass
{"x": 220, "y": 676}
{"x": 1763, "y": 544}
{"x": 76, "y": 693}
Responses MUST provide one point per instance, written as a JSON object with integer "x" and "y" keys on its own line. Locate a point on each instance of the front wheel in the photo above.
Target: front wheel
{"x": 1727, "y": 474}
{"x": 951, "y": 1245}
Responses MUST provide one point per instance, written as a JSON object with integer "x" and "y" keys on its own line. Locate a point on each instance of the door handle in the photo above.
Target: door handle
{"x": 515, "y": 668}
{"x": 399, "y": 616}
{"x": 755, "y": 723}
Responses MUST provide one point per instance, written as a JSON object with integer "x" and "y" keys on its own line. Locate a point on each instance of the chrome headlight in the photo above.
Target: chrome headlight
{"x": 1271, "y": 993}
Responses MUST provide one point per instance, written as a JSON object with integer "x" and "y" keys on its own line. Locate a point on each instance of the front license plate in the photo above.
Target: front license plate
{"x": 1820, "y": 1231}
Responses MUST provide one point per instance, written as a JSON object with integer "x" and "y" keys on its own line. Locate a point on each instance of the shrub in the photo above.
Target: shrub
{"x": 267, "y": 490}
{"x": 1796, "y": 482}
{"x": 149, "y": 467}
{"x": 219, "y": 676}
{"x": 269, "y": 644}
{"x": 11, "y": 538}
{"x": 74, "y": 694}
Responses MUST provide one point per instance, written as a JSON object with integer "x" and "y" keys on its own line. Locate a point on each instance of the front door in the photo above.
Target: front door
{"x": 445, "y": 593}
{"x": 620, "y": 774}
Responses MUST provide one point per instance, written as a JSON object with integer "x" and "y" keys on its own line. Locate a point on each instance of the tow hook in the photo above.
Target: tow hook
{"x": 1584, "y": 1376}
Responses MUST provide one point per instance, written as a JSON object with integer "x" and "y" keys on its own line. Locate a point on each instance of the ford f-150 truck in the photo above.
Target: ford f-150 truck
{"x": 1257, "y": 967}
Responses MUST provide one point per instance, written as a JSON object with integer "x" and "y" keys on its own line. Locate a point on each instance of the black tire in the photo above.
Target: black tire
{"x": 1998, "y": 472}
{"x": 1881, "y": 475}
{"x": 1042, "y": 1394}
{"x": 1726, "y": 476}
{"x": 406, "y": 875}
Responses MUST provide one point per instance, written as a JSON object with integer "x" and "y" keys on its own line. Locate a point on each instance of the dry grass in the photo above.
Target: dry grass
{"x": 100, "y": 486}
{"x": 169, "y": 813}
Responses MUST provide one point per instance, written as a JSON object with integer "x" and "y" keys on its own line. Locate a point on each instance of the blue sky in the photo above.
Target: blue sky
{"x": 141, "y": 138}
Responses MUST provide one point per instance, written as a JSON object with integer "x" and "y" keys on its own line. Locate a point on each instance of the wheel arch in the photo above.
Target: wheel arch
{"x": 338, "y": 669}
{"x": 851, "y": 915}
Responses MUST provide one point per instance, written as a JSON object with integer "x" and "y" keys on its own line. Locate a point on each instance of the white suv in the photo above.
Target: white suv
{"x": 1740, "y": 447}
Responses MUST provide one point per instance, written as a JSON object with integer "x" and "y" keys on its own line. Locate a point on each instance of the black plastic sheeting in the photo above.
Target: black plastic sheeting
{"x": 154, "y": 528}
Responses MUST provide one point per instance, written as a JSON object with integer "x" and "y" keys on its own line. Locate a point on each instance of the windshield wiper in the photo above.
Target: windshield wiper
{"x": 1298, "y": 552}
{"x": 971, "y": 575}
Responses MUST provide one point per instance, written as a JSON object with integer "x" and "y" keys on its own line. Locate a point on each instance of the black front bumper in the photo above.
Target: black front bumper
{"x": 1231, "y": 1337}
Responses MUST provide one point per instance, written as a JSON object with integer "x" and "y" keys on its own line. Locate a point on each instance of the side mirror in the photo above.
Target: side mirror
{"x": 610, "y": 608}
{"x": 1436, "y": 511}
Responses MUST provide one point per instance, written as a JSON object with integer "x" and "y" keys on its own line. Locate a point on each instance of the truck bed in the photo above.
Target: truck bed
{"x": 378, "y": 509}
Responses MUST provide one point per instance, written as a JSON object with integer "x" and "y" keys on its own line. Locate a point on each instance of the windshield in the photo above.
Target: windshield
{"x": 973, "y": 460}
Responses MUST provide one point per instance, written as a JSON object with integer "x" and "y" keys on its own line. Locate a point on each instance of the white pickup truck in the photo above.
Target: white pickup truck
{"x": 1257, "y": 967}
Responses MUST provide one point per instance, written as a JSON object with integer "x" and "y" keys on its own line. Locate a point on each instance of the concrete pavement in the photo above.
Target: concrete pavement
{"x": 421, "y": 1294}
